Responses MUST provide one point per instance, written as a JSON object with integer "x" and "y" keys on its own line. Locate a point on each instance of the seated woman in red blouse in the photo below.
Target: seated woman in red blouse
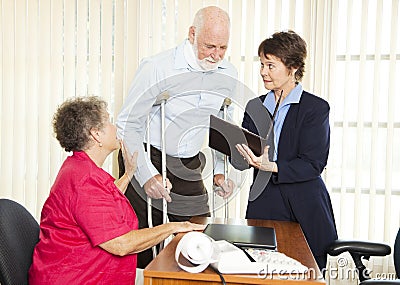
{"x": 88, "y": 229}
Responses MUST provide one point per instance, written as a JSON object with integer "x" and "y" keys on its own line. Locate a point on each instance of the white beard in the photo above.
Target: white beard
{"x": 207, "y": 63}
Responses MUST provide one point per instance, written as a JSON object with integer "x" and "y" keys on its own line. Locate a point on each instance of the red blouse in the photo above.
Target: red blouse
{"x": 83, "y": 210}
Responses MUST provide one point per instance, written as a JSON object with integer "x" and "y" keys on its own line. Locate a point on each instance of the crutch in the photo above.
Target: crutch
{"x": 224, "y": 109}
{"x": 160, "y": 101}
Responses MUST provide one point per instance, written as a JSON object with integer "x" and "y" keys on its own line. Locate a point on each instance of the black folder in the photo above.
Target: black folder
{"x": 243, "y": 235}
{"x": 223, "y": 136}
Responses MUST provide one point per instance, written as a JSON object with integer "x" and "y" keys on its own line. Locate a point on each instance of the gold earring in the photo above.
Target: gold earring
{"x": 100, "y": 144}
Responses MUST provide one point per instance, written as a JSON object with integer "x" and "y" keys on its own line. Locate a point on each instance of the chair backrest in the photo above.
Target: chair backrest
{"x": 396, "y": 254}
{"x": 19, "y": 233}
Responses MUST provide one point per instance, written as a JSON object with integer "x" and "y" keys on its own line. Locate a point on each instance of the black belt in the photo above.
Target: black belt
{"x": 156, "y": 151}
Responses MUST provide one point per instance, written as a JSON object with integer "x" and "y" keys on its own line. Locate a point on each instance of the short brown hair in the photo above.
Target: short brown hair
{"x": 289, "y": 47}
{"x": 75, "y": 118}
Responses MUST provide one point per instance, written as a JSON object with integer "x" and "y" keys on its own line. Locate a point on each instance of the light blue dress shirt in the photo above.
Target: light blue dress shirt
{"x": 194, "y": 96}
{"x": 269, "y": 102}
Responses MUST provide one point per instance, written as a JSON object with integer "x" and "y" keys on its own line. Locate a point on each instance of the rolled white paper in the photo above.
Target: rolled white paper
{"x": 198, "y": 248}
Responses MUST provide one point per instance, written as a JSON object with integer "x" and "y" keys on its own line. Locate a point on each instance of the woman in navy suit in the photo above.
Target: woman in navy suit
{"x": 287, "y": 181}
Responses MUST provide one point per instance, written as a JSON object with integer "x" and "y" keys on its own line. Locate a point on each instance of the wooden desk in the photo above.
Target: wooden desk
{"x": 290, "y": 240}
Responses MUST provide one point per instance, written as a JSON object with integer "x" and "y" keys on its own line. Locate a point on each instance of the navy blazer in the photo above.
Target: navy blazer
{"x": 297, "y": 192}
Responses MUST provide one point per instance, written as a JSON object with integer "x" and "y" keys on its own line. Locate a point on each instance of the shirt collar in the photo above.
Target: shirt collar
{"x": 190, "y": 56}
{"x": 292, "y": 98}
{"x": 182, "y": 63}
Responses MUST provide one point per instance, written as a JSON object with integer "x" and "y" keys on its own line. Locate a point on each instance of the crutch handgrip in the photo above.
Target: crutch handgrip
{"x": 227, "y": 102}
{"x": 163, "y": 97}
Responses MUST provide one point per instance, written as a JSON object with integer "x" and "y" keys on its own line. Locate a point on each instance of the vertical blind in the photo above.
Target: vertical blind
{"x": 54, "y": 49}
{"x": 363, "y": 167}
{"x": 364, "y": 164}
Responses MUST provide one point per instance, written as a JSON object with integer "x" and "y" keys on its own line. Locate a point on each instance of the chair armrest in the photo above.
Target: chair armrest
{"x": 358, "y": 250}
{"x": 362, "y": 248}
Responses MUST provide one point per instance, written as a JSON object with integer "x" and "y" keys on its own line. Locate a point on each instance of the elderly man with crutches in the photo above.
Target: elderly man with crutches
{"x": 187, "y": 84}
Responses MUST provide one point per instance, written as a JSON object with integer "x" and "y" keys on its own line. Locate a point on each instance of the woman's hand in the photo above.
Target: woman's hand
{"x": 261, "y": 162}
{"x": 130, "y": 160}
{"x": 181, "y": 227}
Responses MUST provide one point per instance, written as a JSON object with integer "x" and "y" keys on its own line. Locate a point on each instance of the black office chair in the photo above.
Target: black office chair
{"x": 365, "y": 249}
{"x": 19, "y": 233}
